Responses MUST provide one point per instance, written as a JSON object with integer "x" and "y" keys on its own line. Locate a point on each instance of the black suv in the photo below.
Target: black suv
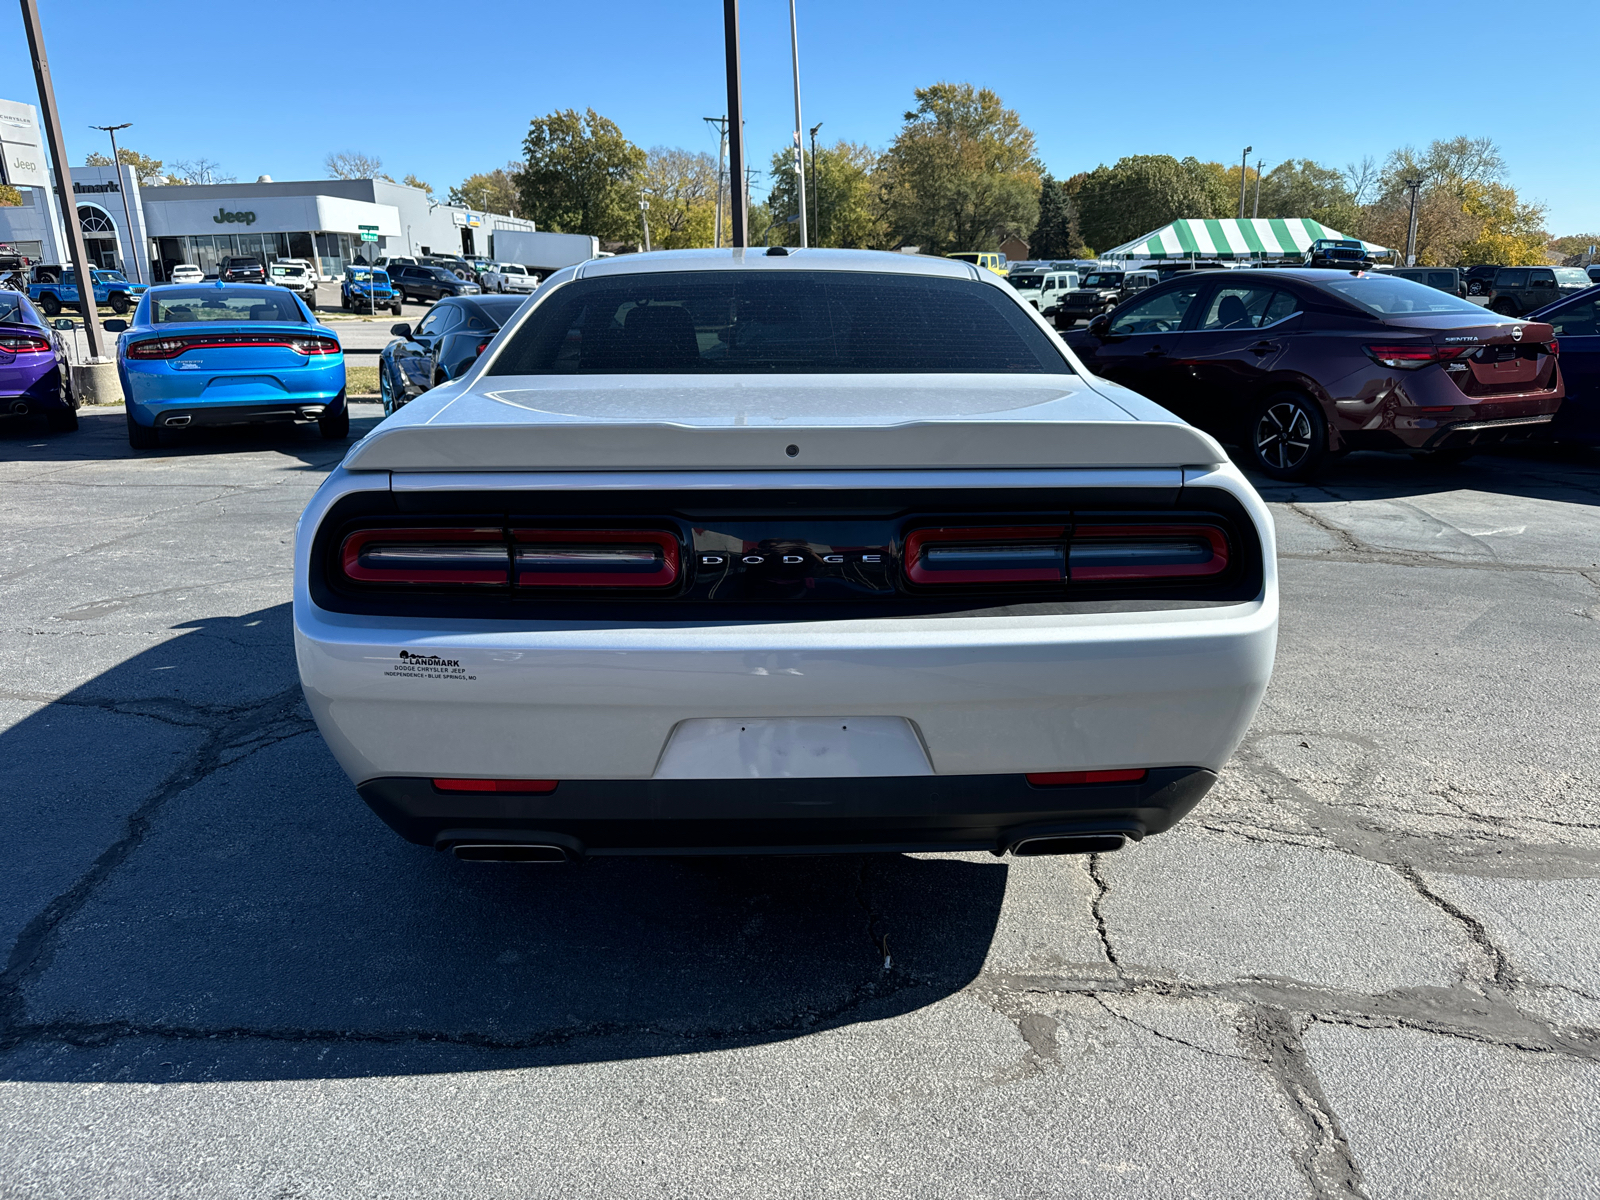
{"x": 1101, "y": 292}
{"x": 242, "y": 268}
{"x": 1446, "y": 279}
{"x": 1480, "y": 279}
{"x": 1339, "y": 253}
{"x": 1518, "y": 290}
{"x": 429, "y": 283}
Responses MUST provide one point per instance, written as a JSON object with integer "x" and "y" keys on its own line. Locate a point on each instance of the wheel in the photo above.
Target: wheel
{"x": 1504, "y": 307}
{"x": 394, "y": 310}
{"x": 142, "y": 437}
{"x": 1287, "y": 436}
{"x": 59, "y": 420}
{"x": 384, "y": 393}
{"x": 1474, "y": 287}
{"x": 311, "y": 301}
{"x": 51, "y": 303}
{"x": 336, "y": 427}
{"x": 119, "y": 303}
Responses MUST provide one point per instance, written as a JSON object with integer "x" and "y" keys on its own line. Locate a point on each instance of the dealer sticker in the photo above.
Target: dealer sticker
{"x": 428, "y": 666}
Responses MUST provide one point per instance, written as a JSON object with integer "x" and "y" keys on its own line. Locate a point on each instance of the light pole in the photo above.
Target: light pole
{"x": 127, "y": 214}
{"x": 1255, "y": 209}
{"x": 738, "y": 210}
{"x": 816, "y": 187}
{"x": 1244, "y": 173}
{"x": 1414, "y": 186}
{"x": 721, "y": 125}
{"x": 799, "y": 146}
{"x": 51, "y": 117}
{"x": 644, "y": 216}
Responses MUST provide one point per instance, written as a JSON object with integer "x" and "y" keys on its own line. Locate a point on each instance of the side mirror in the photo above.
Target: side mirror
{"x": 63, "y": 324}
{"x": 114, "y": 326}
{"x": 1100, "y": 327}
{"x": 400, "y": 330}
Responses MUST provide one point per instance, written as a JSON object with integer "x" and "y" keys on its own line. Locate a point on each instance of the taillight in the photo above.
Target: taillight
{"x": 525, "y": 786}
{"x": 1020, "y": 554}
{"x": 314, "y": 345}
{"x": 608, "y": 558}
{"x": 23, "y": 343}
{"x": 1555, "y": 346}
{"x": 158, "y": 348}
{"x": 1107, "y": 552}
{"x": 1417, "y": 354}
{"x": 424, "y": 557}
{"x": 308, "y": 344}
{"x": 482, "y": 346}
{"x": 1069, "y": 778}
{"x": 1046, "y": 554}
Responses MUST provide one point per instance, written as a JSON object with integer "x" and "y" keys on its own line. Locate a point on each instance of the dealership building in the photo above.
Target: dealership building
{"x": 146, "y": 231}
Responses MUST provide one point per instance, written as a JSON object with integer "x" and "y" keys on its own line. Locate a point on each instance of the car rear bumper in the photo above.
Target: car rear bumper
{"x": 154, "y": 396}
{"x": 790, "y": 816}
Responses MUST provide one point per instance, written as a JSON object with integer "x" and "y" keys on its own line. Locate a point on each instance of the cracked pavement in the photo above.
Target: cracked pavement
{"x": 1365, "y": 966}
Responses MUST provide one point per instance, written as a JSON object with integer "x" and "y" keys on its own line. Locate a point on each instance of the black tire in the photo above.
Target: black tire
{"x": 394, "y": 310}
{"x": 142, "y": 437}
{"x": 51, "y": 303}
{"x": 1504, "y": 307}
{"x": 1286, "y": 436}
{"x": 119, "y": 303}
{"x": 385, "y": 394}
{"x": 61, "y": 420}
{"x": 337, "y": 427}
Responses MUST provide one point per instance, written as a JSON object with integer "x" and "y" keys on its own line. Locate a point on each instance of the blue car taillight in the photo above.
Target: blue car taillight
{"x": 171, "y": 347}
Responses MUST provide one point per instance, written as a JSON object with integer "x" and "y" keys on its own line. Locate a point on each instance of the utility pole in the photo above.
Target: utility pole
{"x": 1414, "y": 186}
{"x": 133, "y": 246}
{"x": 58, "y": 161}
{"x": 816, "y": 187}
{"x": 738, "y": 204}
{"x": 644, "y": 216}
{"x": 799, "y": 146}
{"x": 721, "y": 124}
{"x": 1244, "y": 175}
{"x": 1255, "y": 210}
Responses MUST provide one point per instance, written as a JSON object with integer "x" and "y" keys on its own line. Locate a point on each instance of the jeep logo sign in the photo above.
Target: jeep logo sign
{"x": 234, "y": 218}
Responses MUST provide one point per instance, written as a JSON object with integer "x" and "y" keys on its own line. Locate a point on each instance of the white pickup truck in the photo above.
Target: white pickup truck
{"x": 508, "y": 277}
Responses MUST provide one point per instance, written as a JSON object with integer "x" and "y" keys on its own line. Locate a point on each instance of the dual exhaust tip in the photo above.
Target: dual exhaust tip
{"x": 19, "y": 408}
{"x": 498, "y": 846}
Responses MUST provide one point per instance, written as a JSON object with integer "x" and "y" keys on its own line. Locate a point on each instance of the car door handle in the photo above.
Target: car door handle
{"x": 1156, "y": 352}
{"x": 1263, "y": 347}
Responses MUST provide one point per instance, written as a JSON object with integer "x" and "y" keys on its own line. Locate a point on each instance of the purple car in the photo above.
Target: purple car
{"x": 33, "y": 366}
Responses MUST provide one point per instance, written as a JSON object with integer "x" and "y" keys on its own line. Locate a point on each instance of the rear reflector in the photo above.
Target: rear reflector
{"x": 1107, "y": 552}
{"x": 589, "y": 558}
{"x": 534, "y": 786}
{"x": 412, "y": 557}
{"x": 1003, "y": 554}
{"x": 1068, "y": 778}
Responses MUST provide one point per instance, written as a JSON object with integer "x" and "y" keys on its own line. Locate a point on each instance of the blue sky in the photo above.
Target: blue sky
{"x": 271, "y": 89}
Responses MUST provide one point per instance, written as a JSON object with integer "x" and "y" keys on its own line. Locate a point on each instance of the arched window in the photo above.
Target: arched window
{"x": 95, "y": 221}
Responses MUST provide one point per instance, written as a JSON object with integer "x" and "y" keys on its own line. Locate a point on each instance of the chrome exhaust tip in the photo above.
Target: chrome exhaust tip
{"x": 20, "y": 408}
{"x": 177, "y": 422}
{"x": 1089, "y": 843}
{"x": 518, "y": 852}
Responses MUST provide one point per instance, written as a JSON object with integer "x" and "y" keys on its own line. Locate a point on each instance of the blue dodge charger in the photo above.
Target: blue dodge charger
{"x": 228, "y": 354}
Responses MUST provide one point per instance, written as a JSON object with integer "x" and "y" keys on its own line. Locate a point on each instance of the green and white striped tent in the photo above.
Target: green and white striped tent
{"x": 1260, "y": 237}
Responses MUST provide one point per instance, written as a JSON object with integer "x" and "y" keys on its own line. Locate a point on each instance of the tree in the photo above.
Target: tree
{"x": 1057, "y": 234}
{"x": 198, "y": 171}
{"x": 844, "y": 206}
{"x": 1143, "y": 192}
{"x": 1303, "y": 188}
{"x": 493, "y": 191}
{"x": 578, "y": 176}
{"x": 146, "y": 170}
{"x": 10, "y": 197}
{"x": 352, "y": 164}
{"x": 961, "y": 174}
{"x": 1573, "y": 249}
{"x": 681, "y": 187}
{"x": 1509, "y": 231}
{"x": 413, "y": 181}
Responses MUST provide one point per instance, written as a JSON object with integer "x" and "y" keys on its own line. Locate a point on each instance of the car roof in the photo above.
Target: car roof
{"x": 756, "y": 258}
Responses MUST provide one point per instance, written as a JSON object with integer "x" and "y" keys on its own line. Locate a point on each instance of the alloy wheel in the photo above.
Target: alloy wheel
{"x": 1283, "y": 435}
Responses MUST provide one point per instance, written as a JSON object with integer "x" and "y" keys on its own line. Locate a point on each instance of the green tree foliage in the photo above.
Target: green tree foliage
{"x": 578, "y": 175}
{"x": 1573, "y": 249}
{"x": 1057, "y": 234}
{"x": 495, "y": 191}
{"x": 146, "y": 169}
{"x": 962, "y": 174}
{"x": 1143, "y": 192}
{"x": 843, "y": 203}
{"x": 1302, "y": 188}
{"x": 413, "y": 181}
{"x": 10, "y": 197}
{"x": 681, "y": 187}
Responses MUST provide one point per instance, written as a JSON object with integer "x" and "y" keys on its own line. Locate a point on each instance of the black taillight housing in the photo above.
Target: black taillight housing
{"x": 1109, "y": 551}
{"x": 527, "y": 560}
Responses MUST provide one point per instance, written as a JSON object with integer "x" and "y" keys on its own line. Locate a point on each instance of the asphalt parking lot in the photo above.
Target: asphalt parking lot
{"x": 1368, "y": 965}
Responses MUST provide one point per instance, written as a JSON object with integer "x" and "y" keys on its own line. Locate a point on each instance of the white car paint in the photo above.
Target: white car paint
{"x": 508, "y": 277}
{"x": 573, "y": 699}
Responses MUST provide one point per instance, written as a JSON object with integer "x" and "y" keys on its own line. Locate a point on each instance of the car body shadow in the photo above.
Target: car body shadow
{"x": 237, "y": 912}
{"x": 1546, "y": 471}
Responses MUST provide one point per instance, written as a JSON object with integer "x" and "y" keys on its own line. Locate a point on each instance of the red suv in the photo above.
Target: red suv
{"x": 1295, "y": 364}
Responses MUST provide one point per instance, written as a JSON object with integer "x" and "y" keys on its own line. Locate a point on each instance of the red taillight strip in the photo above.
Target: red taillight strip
{"x": 418, "y": 540}
{"x": 1136, "y": 534}
{"x": 997, "y": 537}
{"x": 172, "y": 347}
{"x": 1411, "y": 356}
{"x": 525, "y": 786}
{"x": 24, "y": 343}
{"x": 1069, "y": 778}
{"x": 573, "y": 540}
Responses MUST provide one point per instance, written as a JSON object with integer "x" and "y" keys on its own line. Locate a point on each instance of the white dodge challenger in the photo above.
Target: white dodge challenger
{"x": 782, "y": 552}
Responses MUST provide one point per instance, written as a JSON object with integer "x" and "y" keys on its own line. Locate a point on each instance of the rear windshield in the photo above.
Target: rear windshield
{"x": 1572, "y": 275}
{"x": 1025, "y": 281}
{"x": 292, "y": 272}
{"x": 207, "y": 305}
{"x": 500, "y": 308}
{"x": 1103, "y": 281}
{"x": 790, "y": 322}
{"x": 12, "y": 312}
{"x": 1387, "y": 296}
{"x": 511, "y": 269}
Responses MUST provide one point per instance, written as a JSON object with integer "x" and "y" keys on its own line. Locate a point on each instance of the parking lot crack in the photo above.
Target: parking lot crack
{"x": 1101, "y": 888}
